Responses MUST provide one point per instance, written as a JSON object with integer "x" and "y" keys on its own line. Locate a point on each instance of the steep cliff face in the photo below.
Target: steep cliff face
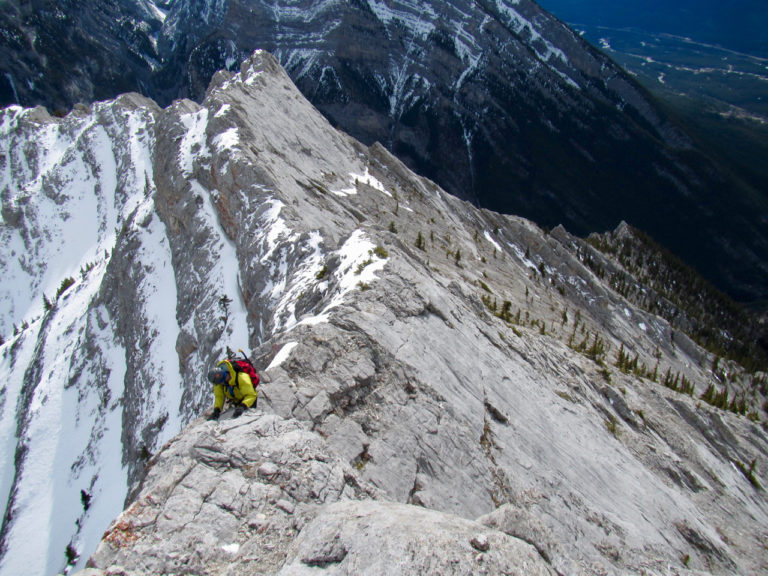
{"x": 496, "y": 101}
{"x": 424, "y": 362}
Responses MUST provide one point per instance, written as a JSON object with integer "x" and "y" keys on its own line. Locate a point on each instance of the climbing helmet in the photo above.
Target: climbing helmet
{"x": 218, "y": 375}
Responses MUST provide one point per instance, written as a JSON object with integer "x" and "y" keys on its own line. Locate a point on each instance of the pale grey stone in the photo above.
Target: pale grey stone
{"x": 268, "y": 469}
{"x": 348, "y": 440}
{"x": 368, "y": 538}
{"x": 480, "y": 542}
{"x": 285, "y": 506}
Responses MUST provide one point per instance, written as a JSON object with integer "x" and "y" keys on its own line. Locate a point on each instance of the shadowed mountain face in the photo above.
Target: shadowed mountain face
{"x": 495, "y": 100}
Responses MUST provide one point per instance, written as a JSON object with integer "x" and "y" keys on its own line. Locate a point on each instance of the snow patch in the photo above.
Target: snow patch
{"x": 251, "y": 77}
{"x": 73, "y": 222}
{"x": 193, "y": 144}
{"x": 492, "y": 241}
{"x": 302, "y": 279}
{"x": 524, "y": 27}
{"x": 227, "y": 266}
{"x": 59, "y": 435}
{"x": 227, "y": 140}
{"x": 274, "y": 227}
{"x": 157, "y": 12}
{"x": 359, "y": 266}
{"x": 282, "y": 355}
{"x": 414, "y": 16}
{"x": 364, "y": 178}
{"x": 300, "y": 61}
{"x": 521, "y": 255}
{"x": 158, "y": 293}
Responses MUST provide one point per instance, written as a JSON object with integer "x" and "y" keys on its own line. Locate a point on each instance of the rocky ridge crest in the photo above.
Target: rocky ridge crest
{"x": 266, "y": 495}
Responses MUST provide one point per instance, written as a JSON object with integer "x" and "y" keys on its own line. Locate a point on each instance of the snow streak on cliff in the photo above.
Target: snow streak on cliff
{"x": 71, "y": 189}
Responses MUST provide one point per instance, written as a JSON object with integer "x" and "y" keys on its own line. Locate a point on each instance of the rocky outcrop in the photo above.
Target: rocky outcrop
{"x": 226, "y": 494}
{"x": 266, "y": 495}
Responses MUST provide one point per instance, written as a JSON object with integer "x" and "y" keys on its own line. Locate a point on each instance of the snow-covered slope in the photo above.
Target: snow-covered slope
{"x": 415, "y": 350}
{"x": 71, "y": 189}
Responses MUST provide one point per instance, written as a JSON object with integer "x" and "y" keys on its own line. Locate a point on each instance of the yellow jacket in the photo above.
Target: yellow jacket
{"x": 238, "y": 388}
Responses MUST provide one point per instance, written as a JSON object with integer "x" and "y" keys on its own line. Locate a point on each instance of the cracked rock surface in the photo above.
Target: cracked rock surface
{"x": 355, "y": 537}
{"x": 264, "y": 495}
{"x": 228, "y": 498}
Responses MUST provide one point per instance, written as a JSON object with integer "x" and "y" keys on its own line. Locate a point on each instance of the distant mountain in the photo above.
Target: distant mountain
{"x": 740, "y": 25}
{"x": 706, "y": 61}
{"x": 496, "y": 101}
{"x": 445, "y": 388}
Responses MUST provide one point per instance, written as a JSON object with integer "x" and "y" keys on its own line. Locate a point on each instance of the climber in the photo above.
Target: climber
{"x": 234, "y": 385}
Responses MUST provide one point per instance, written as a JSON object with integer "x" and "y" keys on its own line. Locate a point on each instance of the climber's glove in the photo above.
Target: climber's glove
{"x": 239, "y": 409}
